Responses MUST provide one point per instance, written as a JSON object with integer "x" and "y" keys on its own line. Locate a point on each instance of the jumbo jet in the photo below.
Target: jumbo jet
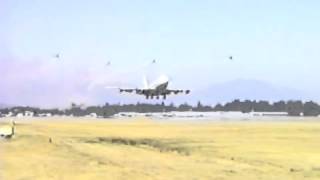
{"x": 156, "y": 89}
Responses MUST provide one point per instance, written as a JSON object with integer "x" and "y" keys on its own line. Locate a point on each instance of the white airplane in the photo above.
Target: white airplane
{"x": 156, "y": 89}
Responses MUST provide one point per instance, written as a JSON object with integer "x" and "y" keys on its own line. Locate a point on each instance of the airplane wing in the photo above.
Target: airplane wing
{"x": 146, "y": 91}
{"x": 170, "y": 91}
{"x": 127, "y": 90}
{"x": 150, "y": 93}
{"x": 131, "y": 90}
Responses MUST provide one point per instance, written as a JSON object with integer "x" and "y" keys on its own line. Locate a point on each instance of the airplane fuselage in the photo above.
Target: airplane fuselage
{"x": 158, "y": 90}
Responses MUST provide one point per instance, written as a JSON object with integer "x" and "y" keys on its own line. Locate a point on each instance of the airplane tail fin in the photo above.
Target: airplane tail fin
{"x": 145, "y": 82}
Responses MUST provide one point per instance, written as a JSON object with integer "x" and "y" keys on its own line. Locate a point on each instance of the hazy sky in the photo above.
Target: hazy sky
{"x": 270, "y": 40}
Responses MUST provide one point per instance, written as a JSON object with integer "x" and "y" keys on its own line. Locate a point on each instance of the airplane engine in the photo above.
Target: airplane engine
{"x": 164, "y": 96}
{"x": 187, "y": 91}
{"x": 138, "y": 91}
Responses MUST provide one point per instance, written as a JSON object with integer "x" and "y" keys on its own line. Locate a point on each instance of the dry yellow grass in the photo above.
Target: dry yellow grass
{"x": 142, "y": 149}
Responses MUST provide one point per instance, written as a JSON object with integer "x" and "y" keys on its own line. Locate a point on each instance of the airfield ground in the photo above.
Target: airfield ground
{"x": 145, "y": 149}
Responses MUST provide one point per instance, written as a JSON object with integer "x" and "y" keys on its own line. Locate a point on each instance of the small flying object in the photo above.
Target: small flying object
{"x": 156, "y": 89}
{"x": 154, "y": 61}
{"x": 57, "y": 56}
{"x": 108, "y": 63}
{"x": 230, "y": 57}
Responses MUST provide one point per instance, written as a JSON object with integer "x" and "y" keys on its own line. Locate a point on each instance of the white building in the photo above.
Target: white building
{"x": 20, "y": 115}
{"x": 28, "y": 114}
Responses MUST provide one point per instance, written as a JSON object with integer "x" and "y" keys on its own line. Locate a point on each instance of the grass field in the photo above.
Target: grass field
{"x": 143, "y": 149}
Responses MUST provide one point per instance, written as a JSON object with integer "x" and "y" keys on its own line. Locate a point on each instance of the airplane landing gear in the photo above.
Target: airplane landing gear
{"x": 164, "y": 97}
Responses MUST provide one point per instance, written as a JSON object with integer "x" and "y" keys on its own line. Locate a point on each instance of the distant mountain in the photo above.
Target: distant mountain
{"x": 3, "y": 106}
{"x": 247, "y": 89}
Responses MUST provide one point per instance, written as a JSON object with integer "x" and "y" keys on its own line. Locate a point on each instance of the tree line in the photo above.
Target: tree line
{"x": 293, "y": 108}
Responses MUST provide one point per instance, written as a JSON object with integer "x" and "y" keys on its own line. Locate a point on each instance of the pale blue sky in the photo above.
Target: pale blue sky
{"x": 270, "y": 40}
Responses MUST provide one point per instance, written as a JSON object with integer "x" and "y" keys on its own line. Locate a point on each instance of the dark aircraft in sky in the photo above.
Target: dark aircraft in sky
{"x": 57, "y": 56}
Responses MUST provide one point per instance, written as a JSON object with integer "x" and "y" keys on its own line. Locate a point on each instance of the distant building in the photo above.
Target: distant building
{"x": 20, "y": 115}
{"x": 93, "y": 115}
{"x": 10, "y": 114}
{"x": 29, "y": 114}
{"x": 48, "y": 115}
{"x": 269, "y": 113}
